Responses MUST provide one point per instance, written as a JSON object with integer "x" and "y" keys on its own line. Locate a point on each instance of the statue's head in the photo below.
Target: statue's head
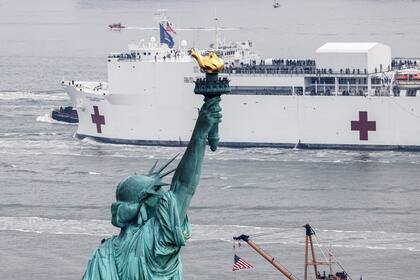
{"x": 136, "y": 195}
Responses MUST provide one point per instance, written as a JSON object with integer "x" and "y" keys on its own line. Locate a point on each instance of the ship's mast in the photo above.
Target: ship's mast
{"x": 161, "y": 16}
{"x": 217, "y": 35}
{"x": 309, "y": 242}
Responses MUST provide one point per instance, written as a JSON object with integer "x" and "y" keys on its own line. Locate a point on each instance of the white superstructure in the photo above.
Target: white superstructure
{"x": 374, "y": 57}
{"x": 148, "y": 99}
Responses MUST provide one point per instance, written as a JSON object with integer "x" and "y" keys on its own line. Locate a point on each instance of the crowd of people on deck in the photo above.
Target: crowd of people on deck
{"x": 405, "y": 63}
{"x": 293, "y": 62}
{"x": 291, "y": 69}
{"x": 133, "y": 56}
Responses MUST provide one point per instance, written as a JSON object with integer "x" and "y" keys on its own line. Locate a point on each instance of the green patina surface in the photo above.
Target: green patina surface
{"x": 153, "y": 221}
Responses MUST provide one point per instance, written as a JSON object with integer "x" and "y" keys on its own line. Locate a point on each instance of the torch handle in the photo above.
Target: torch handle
{"x": 213, "y": 136}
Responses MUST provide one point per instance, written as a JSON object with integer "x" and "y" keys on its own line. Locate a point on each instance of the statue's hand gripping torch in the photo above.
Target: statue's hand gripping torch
{"x": 211, "y": 86}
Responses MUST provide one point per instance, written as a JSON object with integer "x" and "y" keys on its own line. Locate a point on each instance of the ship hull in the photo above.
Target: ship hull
{"x": 256, "y": 145}
{"x": 266, "y": 121}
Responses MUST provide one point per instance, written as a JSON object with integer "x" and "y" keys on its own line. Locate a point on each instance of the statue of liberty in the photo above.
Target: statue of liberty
{"x": 153, "y": 221}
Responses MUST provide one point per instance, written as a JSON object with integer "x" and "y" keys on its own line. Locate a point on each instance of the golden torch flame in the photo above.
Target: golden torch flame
{"x": 210, "y": 63}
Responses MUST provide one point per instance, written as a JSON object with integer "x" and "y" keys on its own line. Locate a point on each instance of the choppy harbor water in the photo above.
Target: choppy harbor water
{"x": 56, "y": 190}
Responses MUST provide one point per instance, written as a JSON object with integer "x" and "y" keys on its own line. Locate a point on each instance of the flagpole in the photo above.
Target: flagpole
{"x": 234, "y": 253}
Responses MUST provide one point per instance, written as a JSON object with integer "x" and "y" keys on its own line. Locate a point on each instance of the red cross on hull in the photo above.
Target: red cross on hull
{"x": 97, "y": 119}
{"x": 363, "y": 126}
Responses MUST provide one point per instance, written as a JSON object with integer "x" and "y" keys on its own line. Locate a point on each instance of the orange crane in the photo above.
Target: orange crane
{"x": 266, "y": 256}
{"x": 309, "y": 245}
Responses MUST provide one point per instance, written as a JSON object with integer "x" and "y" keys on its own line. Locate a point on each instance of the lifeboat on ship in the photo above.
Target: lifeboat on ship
{"x": 408, "y": 79}
{"x": 408, "y": 75}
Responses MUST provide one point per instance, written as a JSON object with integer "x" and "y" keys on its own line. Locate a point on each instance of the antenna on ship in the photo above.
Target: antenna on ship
{"x": 160, "y": 15}
{"x": 217, "y": 35}
{"x": 217, "y": 41}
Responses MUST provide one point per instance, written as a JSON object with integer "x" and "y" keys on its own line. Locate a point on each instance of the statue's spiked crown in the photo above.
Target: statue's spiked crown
{"x": 137, "y": 188}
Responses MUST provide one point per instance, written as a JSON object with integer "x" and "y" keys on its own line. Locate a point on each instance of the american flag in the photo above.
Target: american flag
{"x": 170, "y": 27}
{"x": 239, "y": 263}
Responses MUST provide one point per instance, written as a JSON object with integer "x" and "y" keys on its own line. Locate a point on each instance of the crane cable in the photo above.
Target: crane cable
{"x": 320, "y": 245}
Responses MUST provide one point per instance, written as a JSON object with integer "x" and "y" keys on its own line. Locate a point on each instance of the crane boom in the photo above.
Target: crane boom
{"x": 266, "y": 256}
{"x": 309, "y": 246}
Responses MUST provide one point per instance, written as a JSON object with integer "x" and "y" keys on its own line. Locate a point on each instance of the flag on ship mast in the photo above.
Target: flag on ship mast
{"x": 170, "y": 27}
{"x": 239, "y": 263}
{"x": 165, "y": 37}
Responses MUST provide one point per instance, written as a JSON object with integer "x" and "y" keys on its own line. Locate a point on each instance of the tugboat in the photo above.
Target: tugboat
{"x": 67, "y": 114}
{"x": 309, "y": 251}
{"x": 116, "y": 26}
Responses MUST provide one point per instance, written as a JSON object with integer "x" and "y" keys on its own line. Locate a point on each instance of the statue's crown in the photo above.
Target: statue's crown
{"x": 136, "y": 188}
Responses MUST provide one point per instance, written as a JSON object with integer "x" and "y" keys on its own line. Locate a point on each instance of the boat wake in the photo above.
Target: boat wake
{"x": 90, "y": 148}
{"x": 48, "y": 119}
{"x": 370, "y": 240}
{"x": 43, "y": 96}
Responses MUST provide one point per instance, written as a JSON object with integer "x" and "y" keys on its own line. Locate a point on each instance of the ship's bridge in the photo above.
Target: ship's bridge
{"x": 152, "y": 52}
{"x": 98, "y": 88}
{"x": 236, "y": 53}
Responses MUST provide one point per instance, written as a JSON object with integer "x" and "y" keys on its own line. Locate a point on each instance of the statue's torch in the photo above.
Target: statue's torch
{"x": 211, "y": 86}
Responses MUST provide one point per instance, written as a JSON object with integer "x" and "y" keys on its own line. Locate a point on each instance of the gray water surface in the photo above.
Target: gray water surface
{"x": 56, "y": 190}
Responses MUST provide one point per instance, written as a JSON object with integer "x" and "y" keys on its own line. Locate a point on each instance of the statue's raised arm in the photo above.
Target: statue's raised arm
{"x": 187, "y": 174}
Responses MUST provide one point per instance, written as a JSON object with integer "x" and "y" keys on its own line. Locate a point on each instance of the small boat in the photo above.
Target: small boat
{"x": 116, "y": 26}
{"x": 67, "y": 114}
{"x": 315, "y": 263}
{"x": 276, "y": 4}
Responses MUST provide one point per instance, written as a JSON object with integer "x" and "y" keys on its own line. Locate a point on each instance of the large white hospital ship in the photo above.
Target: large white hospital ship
{"x": 352, "y": 95}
